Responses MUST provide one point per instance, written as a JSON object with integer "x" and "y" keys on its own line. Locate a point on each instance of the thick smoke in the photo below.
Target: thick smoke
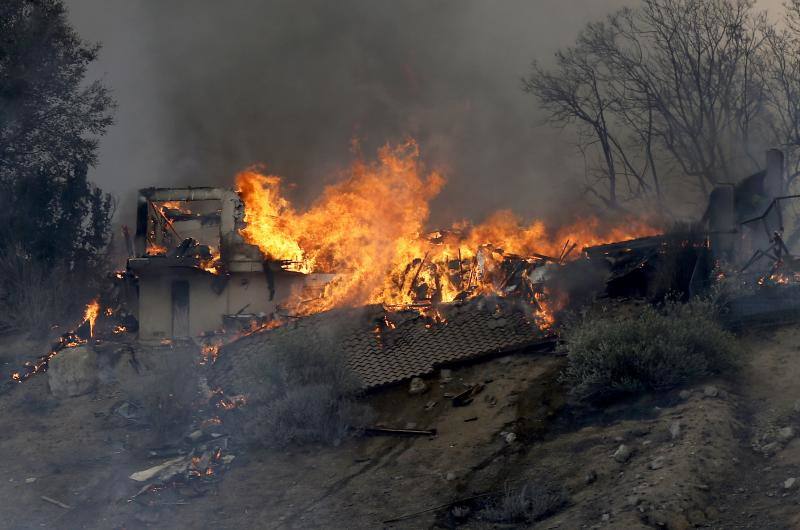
{"x": 207, "y": 88}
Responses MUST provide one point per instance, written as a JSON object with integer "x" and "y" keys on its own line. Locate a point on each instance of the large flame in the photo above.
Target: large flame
{"x": 369, "y": 229}
{"x": 361, "y": 227}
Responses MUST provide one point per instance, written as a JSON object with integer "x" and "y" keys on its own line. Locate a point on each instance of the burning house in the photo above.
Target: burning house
{"x": 206, "y": 259}
{"x": 194, "y": 270}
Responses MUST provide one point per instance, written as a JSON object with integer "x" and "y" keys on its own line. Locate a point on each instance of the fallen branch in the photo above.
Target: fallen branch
{"x": 400, "y": 432}
{"x": 57, "y": 503}
{"x": 465, "y": 398}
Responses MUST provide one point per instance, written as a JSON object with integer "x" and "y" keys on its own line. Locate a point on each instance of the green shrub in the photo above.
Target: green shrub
{"x": 612, "y": 353}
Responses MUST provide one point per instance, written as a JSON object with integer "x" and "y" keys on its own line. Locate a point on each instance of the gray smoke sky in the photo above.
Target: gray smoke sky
{"x": 206, "y": 88}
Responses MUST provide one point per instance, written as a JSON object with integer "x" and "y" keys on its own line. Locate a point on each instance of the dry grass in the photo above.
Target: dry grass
{"x": 524, "y": 504}
{"x": 33, "y": 296}
{"x": 305, "y": 397}
{"x": 166, "y": 394}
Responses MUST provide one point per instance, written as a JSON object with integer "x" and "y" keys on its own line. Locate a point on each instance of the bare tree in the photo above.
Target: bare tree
{"x": 576, "y": 93}
{"x": 782, "y": 84}
{"x": 670, "y": 90}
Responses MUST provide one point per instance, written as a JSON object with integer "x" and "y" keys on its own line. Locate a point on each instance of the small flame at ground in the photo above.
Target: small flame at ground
{"x": 209, "y": 352}
{"x": 154, "y": 249}
{"x": 90, "y": 314}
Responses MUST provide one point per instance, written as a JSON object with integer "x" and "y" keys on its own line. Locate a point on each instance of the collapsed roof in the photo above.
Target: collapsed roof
{"x": 386, "y": 347}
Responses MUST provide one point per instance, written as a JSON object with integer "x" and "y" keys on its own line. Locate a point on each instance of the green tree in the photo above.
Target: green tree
{"x": 50, "y": 122}
{"x": 54, "y": 223}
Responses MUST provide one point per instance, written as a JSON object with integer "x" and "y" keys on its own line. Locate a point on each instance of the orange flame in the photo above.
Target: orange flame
{"x": 90, "y": 314}
{"x": 369, "y": 230}
{"x": 154, "y": 249}
{"x": 211, "y": 264}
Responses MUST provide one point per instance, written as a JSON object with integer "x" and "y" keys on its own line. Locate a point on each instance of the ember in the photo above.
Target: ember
{"x": 231, "y": 402}
{"x": 209, "y": 352}
{"x": 154, "y": 249}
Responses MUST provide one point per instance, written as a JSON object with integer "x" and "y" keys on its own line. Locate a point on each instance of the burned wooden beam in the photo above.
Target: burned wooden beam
{"x": 465, "y": 398}
{"x": 399, "y": 432}
{"x": 640, "y": 244}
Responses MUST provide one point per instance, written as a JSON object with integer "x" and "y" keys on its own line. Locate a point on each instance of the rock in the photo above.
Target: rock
{"x": 677, "y": 522}
{"x": 638, "y": 432}
{"x": 30, "y": 480}
{"x": 622, "y": 454}
{"x": 606, "y": 517}
{"x": 450, "y": 476}
{"x": 149, "y": 473}
{"x": 590, "y": 477}
{"x": 785, "y": 434}
{"x": 634, "y": 500}
{"x": 510, "y": 437}
{"x": 675, "y": 429}
{"x": 710, "y": 391}
{"x": 697, "y": 517}
{"x": 656, "y": 463}
{"x": 127, "y": 410}
{"x": 146, "y": 517}
{"x": 195, "y": 435}
{"x": 72, "y": 372}
{"x": 771, "y": 448}
{"x": 789, "y": 483}
{"x": 417, "y": 386}
{"x": 685, "y": 394}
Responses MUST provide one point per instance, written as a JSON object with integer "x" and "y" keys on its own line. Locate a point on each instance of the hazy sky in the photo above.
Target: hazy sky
{"x": 206, "y": 88}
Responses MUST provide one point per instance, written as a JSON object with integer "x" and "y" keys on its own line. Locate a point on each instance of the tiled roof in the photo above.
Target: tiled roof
{"x": 387, "y": 347}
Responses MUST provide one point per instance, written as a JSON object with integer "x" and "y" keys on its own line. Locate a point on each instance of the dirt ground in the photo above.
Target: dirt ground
{"x": 716, "y": 455}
